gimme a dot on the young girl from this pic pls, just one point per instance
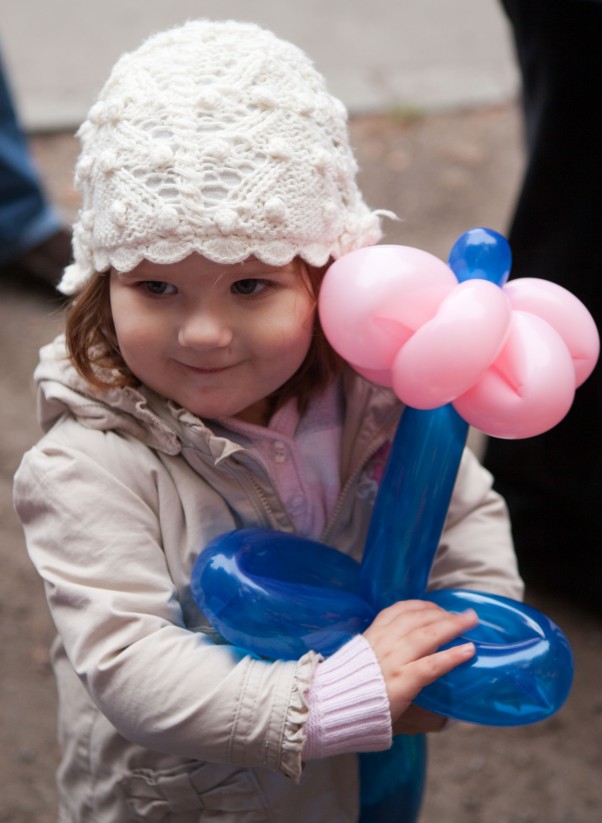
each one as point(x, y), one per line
point(192, 394)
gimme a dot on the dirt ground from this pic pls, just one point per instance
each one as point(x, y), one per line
point(442, 174)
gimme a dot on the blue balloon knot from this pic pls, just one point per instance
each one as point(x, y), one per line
point(482, 254)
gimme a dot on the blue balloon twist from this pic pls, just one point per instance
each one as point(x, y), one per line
point(279, 595)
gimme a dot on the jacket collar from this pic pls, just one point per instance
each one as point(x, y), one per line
point(162, 425)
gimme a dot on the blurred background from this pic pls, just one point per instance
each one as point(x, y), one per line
point(430, 54)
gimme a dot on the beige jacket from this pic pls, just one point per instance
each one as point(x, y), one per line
point(157, 721)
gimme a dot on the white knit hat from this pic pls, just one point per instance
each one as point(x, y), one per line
point(221, 139)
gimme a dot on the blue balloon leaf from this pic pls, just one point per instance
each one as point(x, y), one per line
point(279, 595)
point(522, 671)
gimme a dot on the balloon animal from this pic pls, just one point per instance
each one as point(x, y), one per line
point(404, 319)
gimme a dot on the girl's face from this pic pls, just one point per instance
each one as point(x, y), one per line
point(218, 340)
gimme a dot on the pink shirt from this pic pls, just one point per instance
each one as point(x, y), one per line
point(301, 456)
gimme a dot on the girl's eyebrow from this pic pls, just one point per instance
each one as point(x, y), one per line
point(140, 274)
point(256, 268)
point(254, 271)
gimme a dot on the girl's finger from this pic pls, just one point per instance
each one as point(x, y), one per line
point(414, 634)
point(412, 678)
point(403, 608)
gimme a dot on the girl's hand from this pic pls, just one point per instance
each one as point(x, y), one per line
point(405, 638)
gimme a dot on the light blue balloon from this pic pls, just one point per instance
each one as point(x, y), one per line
point(522, 671)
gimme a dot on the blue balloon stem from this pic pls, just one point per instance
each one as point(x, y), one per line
point(392, 782)
point(406, 525)
point(412, 504)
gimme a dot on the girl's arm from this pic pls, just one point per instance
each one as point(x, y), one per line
point(121, 605)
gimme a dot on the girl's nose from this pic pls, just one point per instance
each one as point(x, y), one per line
point(204, 330)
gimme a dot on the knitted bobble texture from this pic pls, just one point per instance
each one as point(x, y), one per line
point(216, 138)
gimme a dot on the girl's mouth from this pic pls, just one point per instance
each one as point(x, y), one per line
point(207, 369)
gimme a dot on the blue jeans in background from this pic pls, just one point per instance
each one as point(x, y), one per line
point(26, 218)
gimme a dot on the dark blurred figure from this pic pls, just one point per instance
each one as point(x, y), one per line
point(553, 483)
point(34, 245)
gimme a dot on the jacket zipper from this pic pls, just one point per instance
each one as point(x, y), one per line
point(369, 453)
point(255, 495)
point(267, 509)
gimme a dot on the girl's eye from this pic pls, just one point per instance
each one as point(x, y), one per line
point(249, 287)
point(158, 287)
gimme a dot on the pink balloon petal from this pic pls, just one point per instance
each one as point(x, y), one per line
point(565, 313)
point(530, 387)
point(450, 352)
point(371, 297)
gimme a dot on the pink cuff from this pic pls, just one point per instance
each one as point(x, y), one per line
point(348, 704)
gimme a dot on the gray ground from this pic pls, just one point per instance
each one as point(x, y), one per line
point(442, 174)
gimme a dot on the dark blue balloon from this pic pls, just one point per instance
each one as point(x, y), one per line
point(279, 595)
point(412, 504)
point(483, 254)
point(522, 671)
point(392, 782)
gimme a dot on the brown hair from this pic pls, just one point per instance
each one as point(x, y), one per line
point(94, 350)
